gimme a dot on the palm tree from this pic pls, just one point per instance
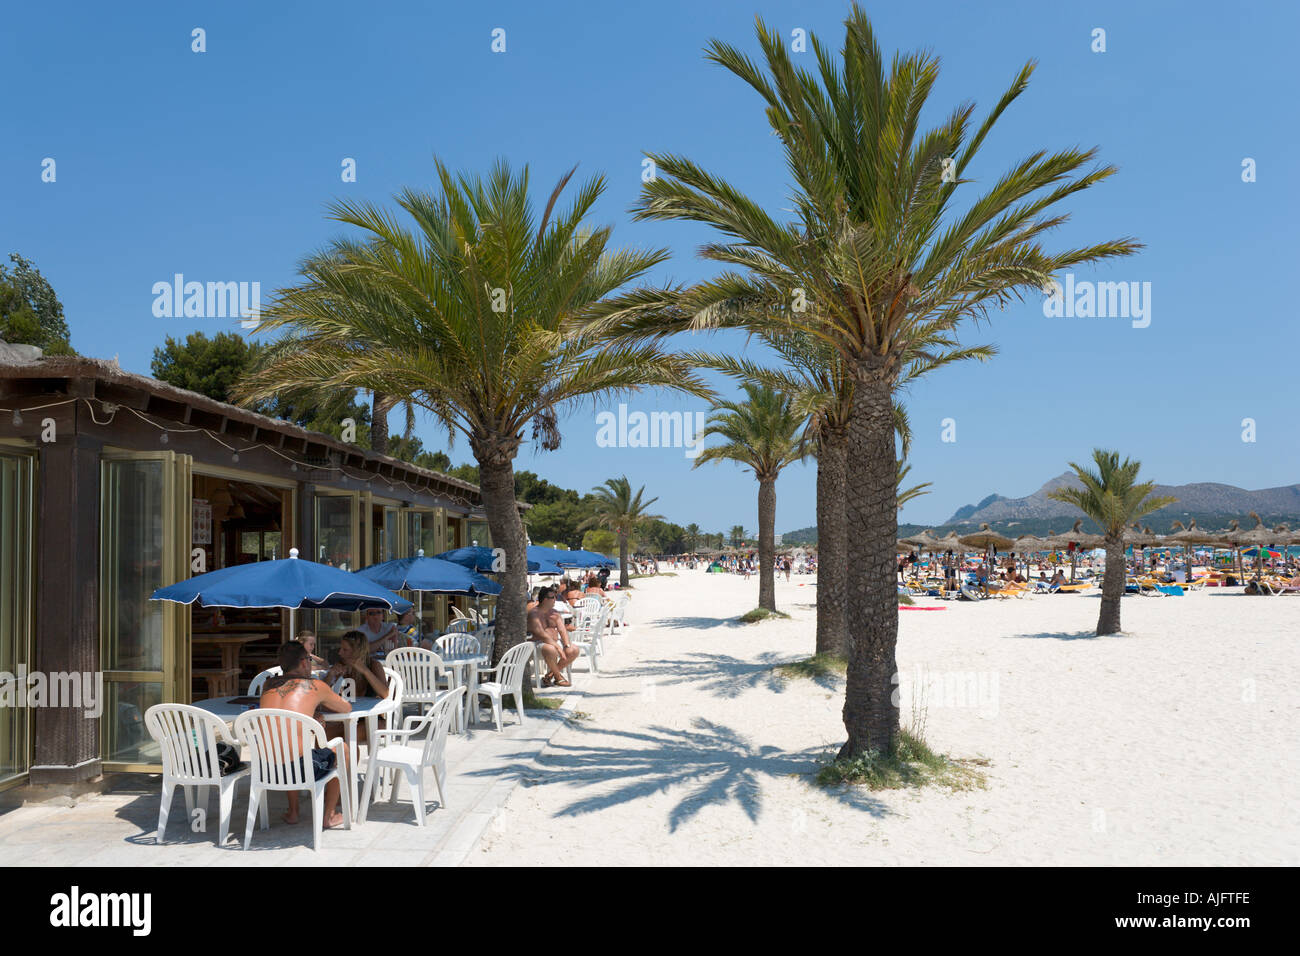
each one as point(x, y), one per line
point(878, 264)
point(1112, 497)
point(692, 536)
point(466, 313)
point(814, 376)
point(763, 434)
point(616, 509)
point(737, 535)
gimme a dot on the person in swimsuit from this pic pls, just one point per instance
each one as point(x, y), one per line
point(546, 627)
point(298, 691)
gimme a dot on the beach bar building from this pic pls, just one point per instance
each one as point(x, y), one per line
point(114, 484)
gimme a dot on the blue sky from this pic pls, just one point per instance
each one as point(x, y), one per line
point(218, 165)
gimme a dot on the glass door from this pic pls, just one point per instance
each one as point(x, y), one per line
point(16, 558)
point(145, 527)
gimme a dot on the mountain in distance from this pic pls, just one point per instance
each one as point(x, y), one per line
point(1213, 505)
point(965, 511)
point(1199, 498)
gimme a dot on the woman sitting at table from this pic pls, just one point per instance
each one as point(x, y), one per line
point(354, 661)
point(570, 592)
point(593, 587)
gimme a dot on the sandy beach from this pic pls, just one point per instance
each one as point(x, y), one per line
point(1175, 743)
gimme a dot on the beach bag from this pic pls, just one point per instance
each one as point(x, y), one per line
point(227, 758)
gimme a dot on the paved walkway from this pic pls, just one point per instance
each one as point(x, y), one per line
point(117, 828)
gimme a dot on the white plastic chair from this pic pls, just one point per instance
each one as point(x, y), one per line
point(487, 638)
point(188, 737)
point(618, 616)
point(279, 746)
point(257, 683)
point(424, 678)
point(510, 680)
point(460, 626)
point(588, 637)
point(411, 757)
point(457, 645)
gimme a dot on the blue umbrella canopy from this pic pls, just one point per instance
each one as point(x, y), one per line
point(593, 559)
point(429, 574)
point(292, 582)
point(480, 559)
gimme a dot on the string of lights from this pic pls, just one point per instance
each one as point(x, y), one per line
point(110, 409)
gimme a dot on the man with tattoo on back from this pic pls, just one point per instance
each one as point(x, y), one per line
point(298, 691)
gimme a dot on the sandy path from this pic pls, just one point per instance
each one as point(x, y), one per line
point(1174, 744)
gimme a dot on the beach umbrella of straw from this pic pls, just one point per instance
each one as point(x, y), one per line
point(1261, 534)
point(950, 542)
point(983, 540)
point(1082, 540)
point(924, 541)
point(986, 538)
point(1028, 544)
point(1187, 537)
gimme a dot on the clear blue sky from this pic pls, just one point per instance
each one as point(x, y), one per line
point(218, 165)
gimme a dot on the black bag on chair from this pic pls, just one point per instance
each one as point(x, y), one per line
point(228, 758)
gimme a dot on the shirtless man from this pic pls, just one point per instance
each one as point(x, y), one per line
point(298, 691)
point(546, 627)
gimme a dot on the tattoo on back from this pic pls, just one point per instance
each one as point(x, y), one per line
point(293, 685)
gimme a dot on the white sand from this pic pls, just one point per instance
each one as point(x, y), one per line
point(1176, 743)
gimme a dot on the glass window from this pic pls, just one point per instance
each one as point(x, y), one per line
point(15, 609)
point(133, 565)
point(335, 521)
point(125, 737)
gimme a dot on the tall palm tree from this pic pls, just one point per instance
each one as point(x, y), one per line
point(737, 535)
point(692, 536)
point(763, 433)
point(465, 312)
point(1112, 496)
point(616, 509)
point(814, 376)
point(878, 263)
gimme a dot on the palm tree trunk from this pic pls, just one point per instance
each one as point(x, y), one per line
point(379, 422)
point(832, 547)
point(767, 544)
point(622, 560)
point(497, 484)
point(871, 512)
point(1112, 587)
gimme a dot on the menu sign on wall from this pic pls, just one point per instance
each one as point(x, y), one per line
point(201, 532)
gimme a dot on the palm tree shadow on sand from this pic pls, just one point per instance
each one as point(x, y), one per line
point(695, 623)
point(1059, 636)
point(717, 764)
point(718, 674)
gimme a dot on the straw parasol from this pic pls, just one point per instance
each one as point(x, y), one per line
point(986, 539)
point(1187, 537)
point(1260, 535)
point(1077, 537)
point(1028, 544)
point(949, 542)
point(924, 541)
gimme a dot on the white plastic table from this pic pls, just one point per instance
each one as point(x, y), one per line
point(371, 708)
point(467, 666)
